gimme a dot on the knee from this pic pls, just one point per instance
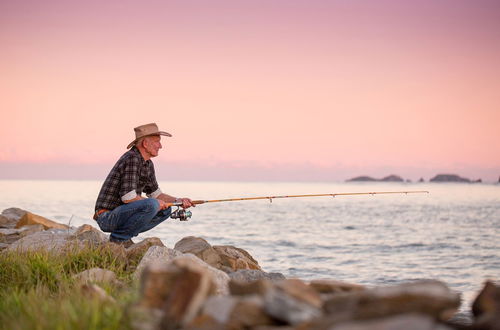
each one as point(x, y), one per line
point(151, 205)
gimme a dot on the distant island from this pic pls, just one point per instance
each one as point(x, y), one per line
point(397, 178)
point(451, 178)
point(389, 178)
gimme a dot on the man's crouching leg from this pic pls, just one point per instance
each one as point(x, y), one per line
point(128, 220)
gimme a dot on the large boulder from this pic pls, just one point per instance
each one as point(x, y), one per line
point(432, 298)
point(292, 301)
point(59, 241)
point(136, 251)
point(10, 217)
point(233, 258)
point(223, 257)
point(179, 289)
point(156, 255)
point(486, 307)
point(200, 248)
point(33, 219)
point(10, 235)
point(219, 278)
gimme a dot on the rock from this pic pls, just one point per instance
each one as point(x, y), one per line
point(233, 258)
point(432, 298)
point(93, 291)
point(200, 248)
point(96, 275)
point(6, 222)
point(361, 178)
point(190, 286)
point(223, 257)
point(292, 301)
point(404, 321)
point(220, 279)
point(249, 313)
point(32, 219)
point(250, 275)
point(90, 235)
point(486, 307)
point(258, 287)
point(136, 251)
point(155, 255)
point(333, 286)
point(421, 180)
point(3, 246)
point(10, 235)
point(10, 217)
point(143, 318)
point(219, 308)
point(56, 241)
point(392, 178)
point(448, 178)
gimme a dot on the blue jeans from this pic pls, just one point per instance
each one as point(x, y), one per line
point(128, 220)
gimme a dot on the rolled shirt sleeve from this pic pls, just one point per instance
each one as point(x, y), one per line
point(128, 196)
point(129, 178)
point(155, 193)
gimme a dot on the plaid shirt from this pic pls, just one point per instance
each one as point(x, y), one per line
point(130, 174)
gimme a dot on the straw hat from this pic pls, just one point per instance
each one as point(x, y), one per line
point(146, 130)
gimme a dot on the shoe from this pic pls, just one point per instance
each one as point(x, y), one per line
point(125, 243)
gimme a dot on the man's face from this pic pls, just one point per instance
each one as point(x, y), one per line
point(152, 145)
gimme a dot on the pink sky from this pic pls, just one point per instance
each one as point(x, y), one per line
point(288, 90)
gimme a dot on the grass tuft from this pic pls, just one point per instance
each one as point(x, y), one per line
point(37, 290)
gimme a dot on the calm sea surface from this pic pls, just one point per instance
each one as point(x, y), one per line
point(451, 234)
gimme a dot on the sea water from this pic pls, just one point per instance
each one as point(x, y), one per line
point(451, 234)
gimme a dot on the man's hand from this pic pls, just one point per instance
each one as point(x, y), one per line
point(163, 204)
point(186, 202)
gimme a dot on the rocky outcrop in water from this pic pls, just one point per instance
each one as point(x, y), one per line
point(451, 178)
point(389, 178)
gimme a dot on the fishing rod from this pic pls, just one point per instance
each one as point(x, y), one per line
point(184, 215)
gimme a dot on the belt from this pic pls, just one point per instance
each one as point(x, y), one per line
point(99, 212)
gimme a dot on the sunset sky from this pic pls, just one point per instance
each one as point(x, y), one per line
point(252, 90)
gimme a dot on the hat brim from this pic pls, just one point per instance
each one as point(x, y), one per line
point(131, 144)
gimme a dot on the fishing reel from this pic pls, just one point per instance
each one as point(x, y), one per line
point(181, 214)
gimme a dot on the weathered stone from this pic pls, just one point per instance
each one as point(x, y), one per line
point(250, 275)
point(219, 307)
point(404, 321)
point(3, 246)
point(10, 235)
point(144, 318)
point(89, 234)
point(200, 248)
point(248, 313)
point(292, 301)
point(333, 286)
point(96, 275)
point(219, 278)
point(205, 322)
point(136, 251)
point(6, 222)
point(93, 291)
point(259, 287)
point(191, 286)
point(486, 307)
point(155, 255)
point(33, 219)
point(55, 241)
point(156, 284)
point(431, 298)
point(11, 216)
point(233, 258)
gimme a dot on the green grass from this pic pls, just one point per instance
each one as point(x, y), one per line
point(37, 291)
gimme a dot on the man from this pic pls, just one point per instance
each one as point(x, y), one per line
point(120, 208)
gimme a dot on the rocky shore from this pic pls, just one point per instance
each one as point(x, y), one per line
point(396, 178)
point(195, 285)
